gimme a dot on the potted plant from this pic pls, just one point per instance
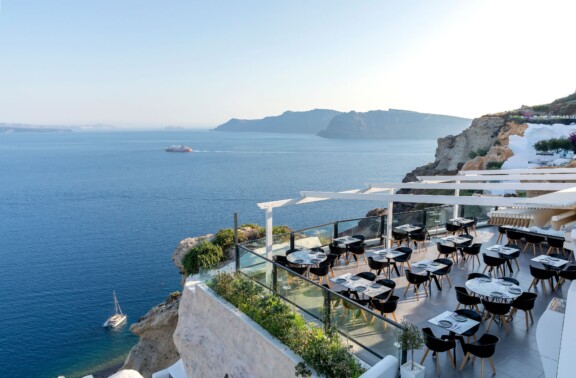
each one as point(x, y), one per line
point(409, 337)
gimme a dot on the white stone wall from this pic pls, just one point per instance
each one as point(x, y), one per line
point(214, 339)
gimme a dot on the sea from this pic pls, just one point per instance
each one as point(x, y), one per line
point(86, 213)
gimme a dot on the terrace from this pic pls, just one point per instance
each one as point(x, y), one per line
point(370, 333)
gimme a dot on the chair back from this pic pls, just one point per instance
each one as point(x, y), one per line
point(332, 258)
point(452, 227)
point(436, 344)
point(407, 254)
point(388, 306)
point(446, 270)
point(536, 239)
point(471, 276)
point(414, 278)
point(473, 249)
point(367, 275)
point(541, 274)
point(463, 297)
point(470, 314)
point(510, 279)
point(322, 270)
point(376, 265)
point(514, 235)
point(399, 235)
point(496, 308)
point(445, 249)
point(525, 301)
point(336, 249)
point(492, 261)
point(555, 242)
point(485, 347)
point(420, 236)
point(358, 243)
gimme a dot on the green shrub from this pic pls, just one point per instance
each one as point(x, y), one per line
point(478, 152)
point(553, 144)
point(202, 255)
point(323, 352)
point(494, 164)
point(224, 238)
point(280, 230)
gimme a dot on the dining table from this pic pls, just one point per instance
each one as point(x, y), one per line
point(431, 266)
point(360, 285)
point(464, 222)
point(494, 288)
point(455, 323)
point(307, 258)
point(504, 252)
point(551, 263)
point(389, 255)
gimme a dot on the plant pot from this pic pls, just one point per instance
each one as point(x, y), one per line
point(407, 372)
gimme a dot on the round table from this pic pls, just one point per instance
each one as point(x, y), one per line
point(490, 288)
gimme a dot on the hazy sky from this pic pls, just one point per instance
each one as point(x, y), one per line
point(157, 63)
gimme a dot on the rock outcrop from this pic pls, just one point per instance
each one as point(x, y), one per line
point(155, 349)
point(183, 247)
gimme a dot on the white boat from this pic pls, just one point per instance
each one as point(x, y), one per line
point(180, 148)
point(118, 318)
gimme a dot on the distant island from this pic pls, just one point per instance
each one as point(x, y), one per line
point(377, 124)
point(7, 128)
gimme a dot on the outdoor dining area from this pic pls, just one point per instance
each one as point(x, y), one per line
point(476, 294)
point(480, 284)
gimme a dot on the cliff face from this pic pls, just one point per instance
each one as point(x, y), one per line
point(155, 349)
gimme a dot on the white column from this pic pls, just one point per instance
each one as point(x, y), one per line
point(389, 221)
point(269, 226)
point(456, 207)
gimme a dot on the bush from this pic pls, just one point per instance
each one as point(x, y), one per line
point(494, 164)
point(553, 144)
point(202, 255)
point(224, 238)
point(478, 152)
point(323, 352)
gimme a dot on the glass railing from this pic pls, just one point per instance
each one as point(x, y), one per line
point(318, 236)
point(369, 227)
point(371, 335)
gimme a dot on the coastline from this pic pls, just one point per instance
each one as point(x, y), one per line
point(102, 370)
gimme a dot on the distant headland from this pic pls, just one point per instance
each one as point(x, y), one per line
point(7, 128)
point(376, 124)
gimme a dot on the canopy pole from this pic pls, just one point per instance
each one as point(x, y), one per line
point(456, 207)
point(390, 221)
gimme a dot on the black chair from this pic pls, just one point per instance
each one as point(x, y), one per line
point(534, 240)
point(493, 263)
point(388, 283)
point(403, 259)
point(357, 250)
point(282, 260)
point(437, 345)
point(381, 265)
point(453, 228)
point(332, 258)
point(514, 237)
point(444, 272)
point(466, 299)
point(555, 243)
point(499, 309)
point(367, 275)
point(471, 276)
point(350, 305)
point(376, 265)
point(386, 307)
point(399, 237)
point(466, 243)
point(473, 251)
point(415, 280)
point(322, 272)
point(337, 250)
point(524, 302)
point(567, 274)
point(501, 233)
point(361, 239)
point(485, 347)
point(318, 249)
point(447, 251)
point(470, 314)
point(541, 275)
point(419, 239)
point(510, 279)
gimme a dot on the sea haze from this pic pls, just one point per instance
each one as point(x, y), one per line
point(82, 214)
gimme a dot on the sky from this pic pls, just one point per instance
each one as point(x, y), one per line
point(141, 63)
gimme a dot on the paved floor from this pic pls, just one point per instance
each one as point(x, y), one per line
point(516, 353)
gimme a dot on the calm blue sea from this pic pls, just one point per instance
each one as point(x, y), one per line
point(85, 213)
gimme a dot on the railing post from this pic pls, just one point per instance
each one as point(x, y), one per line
point(274, 278)
point(335, 229)
point(424, 217)
point(382, 222)
point(292, 240)
point(237, 249)
point(326, 315)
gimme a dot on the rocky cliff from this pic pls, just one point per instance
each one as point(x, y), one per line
point(155, 350)
point(380, 124)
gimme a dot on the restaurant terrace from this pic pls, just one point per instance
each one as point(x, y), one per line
point(486, 270)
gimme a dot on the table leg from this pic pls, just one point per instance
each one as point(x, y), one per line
point(509, 263)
